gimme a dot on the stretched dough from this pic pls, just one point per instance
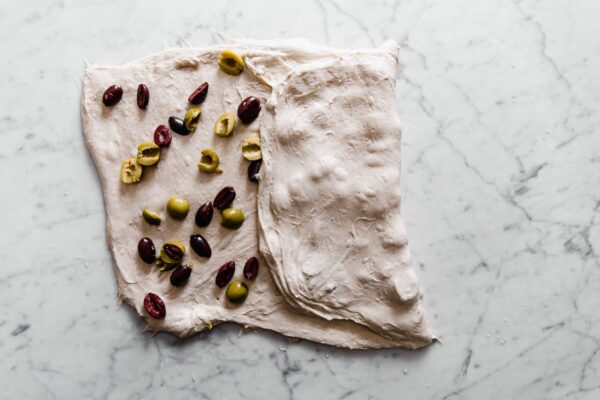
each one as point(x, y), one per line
point(337, 266)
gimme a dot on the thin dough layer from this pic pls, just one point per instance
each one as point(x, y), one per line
point(329, 204)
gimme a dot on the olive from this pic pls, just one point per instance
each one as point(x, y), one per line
point(232, 218)
point(231, 63)
point(148, 153)
point(172, 252)
point(178, 207)
point(180, 275)
point(143, 96)
point(248, 109)
point(191, 118)
point(225, 274)
point(254, 169)
point(131, 171)
point(199, 94)
point(251, 268)
point(251, 148)
point(209, 162)
point(154, 306)
point(112, 95)
point(178, 126)
point(224, 198)
point(162, 136)
point(237, 292)
point(200, 246)
point(151, 217)
point(224, 124)
point(146, 250)
point(204, 215)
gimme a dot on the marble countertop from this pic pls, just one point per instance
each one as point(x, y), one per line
point(500, 104)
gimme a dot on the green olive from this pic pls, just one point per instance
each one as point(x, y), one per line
point(168, 261)
point(209, 162)
point(131, 171)
point(178, 207)
point(224, 124)
point(231, 63)
point(232, 218)
point(191, 118)
point(237, 292)
point(148, 153)
point(251, 148)
point(151, 217)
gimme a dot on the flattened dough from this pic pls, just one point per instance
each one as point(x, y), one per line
point(292, 294)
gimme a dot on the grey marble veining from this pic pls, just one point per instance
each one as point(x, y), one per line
point(500, 107)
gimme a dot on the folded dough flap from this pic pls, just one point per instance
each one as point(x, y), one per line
point(329, 203)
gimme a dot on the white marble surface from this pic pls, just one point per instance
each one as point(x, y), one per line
point(500, 107)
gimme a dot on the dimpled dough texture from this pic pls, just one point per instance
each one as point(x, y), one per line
point(334, 262)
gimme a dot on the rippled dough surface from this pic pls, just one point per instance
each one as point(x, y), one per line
point(329, 204)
